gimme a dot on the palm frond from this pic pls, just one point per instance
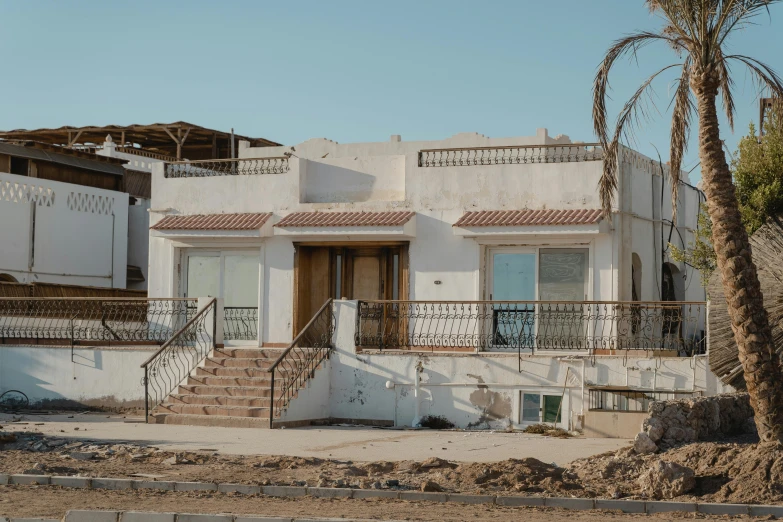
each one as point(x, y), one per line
point(726, 84)
point(627, 46)
point(684, 108)
point(764, 75)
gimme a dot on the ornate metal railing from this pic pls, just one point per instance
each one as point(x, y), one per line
point(226, 167)
point(33, 320)
point(604, 399)
point(510, 155)
point(178, 356)
point(298, 363)
point(240, 323)
point(672, 328)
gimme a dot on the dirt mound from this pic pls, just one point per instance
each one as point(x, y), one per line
point(725, 472)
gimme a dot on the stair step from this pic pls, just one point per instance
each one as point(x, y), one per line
point(225, 391)
point(204, 409)
point(219, 400)
point(248, 353)
point(212, 420)
point(259, 382)
point(235, 362)
point(216, 371)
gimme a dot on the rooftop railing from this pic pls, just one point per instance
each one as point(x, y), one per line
point(226, 167)
point(80, 320)
point(591, 327)
point(145, 153)
point(510, 155)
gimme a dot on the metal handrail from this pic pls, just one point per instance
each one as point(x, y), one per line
point(223, 160)
point(302, 368)
point(298, 337)
point(177, 333)
point(501, 147)
point(174, 362)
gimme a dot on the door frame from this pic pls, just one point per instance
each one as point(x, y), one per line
point(339, 248)
point(220, 252)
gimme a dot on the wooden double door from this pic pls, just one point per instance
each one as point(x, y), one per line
point(352, 271)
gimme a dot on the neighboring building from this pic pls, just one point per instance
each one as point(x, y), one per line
point(489, 254)
point(64, 216)
point(137, 148)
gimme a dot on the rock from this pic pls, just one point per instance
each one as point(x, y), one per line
point(138, 456)
point(667, 480)
point(6, 437)
point(340, 483)
point(392, 483)
point(430, 486)
point(56, 443)
point(171, 461)
point(435, 462)
point(322, 483)
point(377, 485)
point(83, 455)
point(654, 428)
point(643, 444)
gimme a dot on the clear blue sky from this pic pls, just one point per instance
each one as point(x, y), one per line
point(344, 70)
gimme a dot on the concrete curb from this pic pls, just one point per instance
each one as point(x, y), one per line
point(141, 516)
point(581, 504)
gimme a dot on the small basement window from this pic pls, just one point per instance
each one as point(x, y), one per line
point(628, 400)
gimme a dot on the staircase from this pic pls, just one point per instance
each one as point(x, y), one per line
point(231, 389)
point(191, 381)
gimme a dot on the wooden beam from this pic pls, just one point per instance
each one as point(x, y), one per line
point(75, 138)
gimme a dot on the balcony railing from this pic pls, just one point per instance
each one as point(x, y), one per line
point(226, 167)
point(79, 320)
point(635, 401)
point(145, 153)
point(510, 155)
point(591, 327)
point(240, 323)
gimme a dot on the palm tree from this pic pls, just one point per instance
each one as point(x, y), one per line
point(697, 31)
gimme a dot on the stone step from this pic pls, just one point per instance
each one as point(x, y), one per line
point(220, 400)
point(235, 362)
point(259, 382)
point(248, 353)
point(225, 391)
point(205, 409)
point(212, 420)
point(216, 371)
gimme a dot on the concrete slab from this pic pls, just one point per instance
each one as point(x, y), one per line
point(78, 515)
point(330, 492)
point(195, 486)
point(245, 489)
point(765, 511)
point(284, 491)
point(724, 509)
point(112, 483)
point(519, 501)
point(71, 482)
point(669, 507)
point(471, 499)
point(626, 506)
point(187, 517)
point(358, 444)
point(29, 479)
point(154, 484)
point(570, 503)
point(138, 516)
point(427, 497)
point(375, 493)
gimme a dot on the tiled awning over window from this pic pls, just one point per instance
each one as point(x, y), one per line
point(213, 222)
point(345, 219)
point(517, 218)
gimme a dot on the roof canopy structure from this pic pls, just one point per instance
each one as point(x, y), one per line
point(178, 140)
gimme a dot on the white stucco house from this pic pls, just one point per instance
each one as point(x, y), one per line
point(473, 278)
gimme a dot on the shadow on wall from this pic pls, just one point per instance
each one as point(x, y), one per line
point(333, 184)
point(56, 382)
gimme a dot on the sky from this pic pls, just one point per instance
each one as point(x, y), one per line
point(349, 71)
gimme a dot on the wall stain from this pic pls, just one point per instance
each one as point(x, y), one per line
point(494, 406)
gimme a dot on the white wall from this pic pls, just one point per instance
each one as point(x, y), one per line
point(79, 235)
point(138, 239)
point(106, 377)
point(479, 390)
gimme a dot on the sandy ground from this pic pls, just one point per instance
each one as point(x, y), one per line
point(359, 444)
point(53, 502)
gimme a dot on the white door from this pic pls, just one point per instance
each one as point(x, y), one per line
point(232, 275)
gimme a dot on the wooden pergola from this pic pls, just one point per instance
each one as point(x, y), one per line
point(177, 140)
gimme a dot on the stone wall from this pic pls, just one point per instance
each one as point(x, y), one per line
point(698, 418)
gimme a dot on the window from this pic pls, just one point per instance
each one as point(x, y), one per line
point(541, 407)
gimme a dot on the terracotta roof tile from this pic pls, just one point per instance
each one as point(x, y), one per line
point(516, 218)
point(212, 222)
point(345, 219)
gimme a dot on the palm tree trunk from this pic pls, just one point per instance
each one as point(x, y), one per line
point(761, 365)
